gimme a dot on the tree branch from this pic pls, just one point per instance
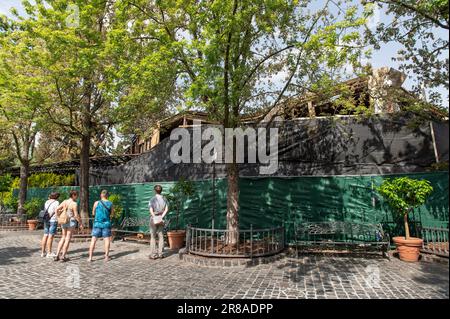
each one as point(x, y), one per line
point(255, 68)
point(416, 10)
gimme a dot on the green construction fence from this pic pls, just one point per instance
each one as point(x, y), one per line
point(276, 201)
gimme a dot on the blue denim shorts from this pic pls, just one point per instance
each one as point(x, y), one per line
point(72, 224)
point(101, 232)
point(50, 228)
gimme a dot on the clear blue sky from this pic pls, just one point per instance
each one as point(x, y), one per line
point(383, 57)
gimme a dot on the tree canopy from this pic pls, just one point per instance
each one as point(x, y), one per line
point(233, 57)
point(421, 29)
point(23, 91)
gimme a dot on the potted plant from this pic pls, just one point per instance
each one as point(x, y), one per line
point(403, 195)
point(178, 194)
point(32, 208)
point(116, 216)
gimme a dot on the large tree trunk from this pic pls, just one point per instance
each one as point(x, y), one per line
point(24, 172)
point(233, 203)
point(84, 179)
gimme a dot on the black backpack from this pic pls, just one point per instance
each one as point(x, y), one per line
point(44, 216)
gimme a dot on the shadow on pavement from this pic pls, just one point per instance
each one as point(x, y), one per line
point(9, 255)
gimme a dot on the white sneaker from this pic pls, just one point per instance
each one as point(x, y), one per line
point(42, 255)
point(51, 255)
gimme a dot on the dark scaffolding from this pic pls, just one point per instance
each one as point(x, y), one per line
point(72, 166)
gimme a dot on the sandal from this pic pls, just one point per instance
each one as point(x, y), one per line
point(64, 259)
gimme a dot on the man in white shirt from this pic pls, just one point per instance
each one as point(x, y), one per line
point(50, 225)
point(158, 209)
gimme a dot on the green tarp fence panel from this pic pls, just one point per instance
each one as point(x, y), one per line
point(265, 202)
point(276, 201)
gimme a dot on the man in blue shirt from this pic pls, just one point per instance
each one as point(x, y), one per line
point(102, 211)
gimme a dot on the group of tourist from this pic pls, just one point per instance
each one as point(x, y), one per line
point(66, 215)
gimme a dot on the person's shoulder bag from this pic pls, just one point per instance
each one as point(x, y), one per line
point(63, 218)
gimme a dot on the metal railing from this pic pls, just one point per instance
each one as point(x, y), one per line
point(247, 244)
point(13, 220)
point(435, 240)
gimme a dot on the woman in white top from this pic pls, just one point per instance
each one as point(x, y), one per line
point(71, 208)
point(50, 225)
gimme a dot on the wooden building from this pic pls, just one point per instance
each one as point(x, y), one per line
point(382, 92)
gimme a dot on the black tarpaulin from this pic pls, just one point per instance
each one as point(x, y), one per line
point(308, 147)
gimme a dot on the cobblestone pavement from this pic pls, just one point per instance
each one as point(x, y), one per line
point(130, 274)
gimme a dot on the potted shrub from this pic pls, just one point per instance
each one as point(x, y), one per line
point(116, 217)
point(403, 195)
point(32, 208)
point(179, 193)
point(116, 200)
point(8, 202)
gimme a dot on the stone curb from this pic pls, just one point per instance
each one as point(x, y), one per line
point(213, 262)
point(434, 259)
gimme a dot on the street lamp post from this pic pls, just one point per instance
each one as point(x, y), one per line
point(213, 201)
point(214, 190)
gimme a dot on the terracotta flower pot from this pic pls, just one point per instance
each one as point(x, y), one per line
point(32, 224)
point(176, 238)
point(408, 249)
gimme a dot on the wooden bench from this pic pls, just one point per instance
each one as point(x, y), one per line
point(339, 235)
